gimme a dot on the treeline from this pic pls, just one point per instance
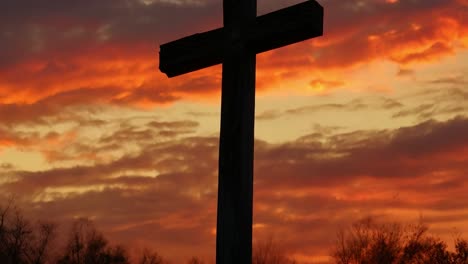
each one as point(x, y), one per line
point(365, 242)
point(25, 242)
point(369, 242)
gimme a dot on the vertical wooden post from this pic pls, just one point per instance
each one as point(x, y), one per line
point(235, 183)
point(242, 37)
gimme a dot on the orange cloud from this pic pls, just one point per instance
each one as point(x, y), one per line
point(96, 53)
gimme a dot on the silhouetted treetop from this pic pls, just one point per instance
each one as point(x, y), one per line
point(368, 242)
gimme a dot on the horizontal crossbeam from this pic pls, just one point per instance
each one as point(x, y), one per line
point(274, 30)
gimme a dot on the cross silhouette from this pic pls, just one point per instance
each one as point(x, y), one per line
point(235, 46)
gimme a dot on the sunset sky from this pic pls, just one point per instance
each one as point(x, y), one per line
point(369, 120)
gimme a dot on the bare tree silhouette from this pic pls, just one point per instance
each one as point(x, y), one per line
point(88, 246)
point(367, 241)
point(270, 251)
point(150, 257)
point(195, 260)
point(20, 241)
point(45, 234)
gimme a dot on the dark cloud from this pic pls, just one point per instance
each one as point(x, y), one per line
point(422, 111)
point(23, 139)
point(6, 167)
point(457, 80)
point(405, 72)
point(91, 23)
point(268, 115)
point(202, 114)
point(437, 49)
point(109, 144)
point(68, 106)
point(382, 154)
point(389, 103)
point(445, 101)
point(350, 106)
point(170, 187)
point(361, 104)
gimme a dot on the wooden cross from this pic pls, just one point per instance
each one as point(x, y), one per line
point(235, 46)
